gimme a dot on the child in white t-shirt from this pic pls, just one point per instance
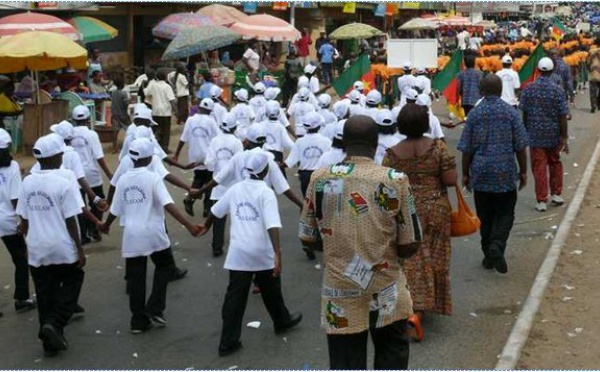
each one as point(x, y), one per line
point(254, 251)
point(141, 198)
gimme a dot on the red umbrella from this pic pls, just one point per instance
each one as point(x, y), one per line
point(266, 28)
point(23, 22)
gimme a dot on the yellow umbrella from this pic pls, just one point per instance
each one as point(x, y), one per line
point(40, 51)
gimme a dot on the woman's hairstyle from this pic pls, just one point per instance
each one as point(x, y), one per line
point(413, 120)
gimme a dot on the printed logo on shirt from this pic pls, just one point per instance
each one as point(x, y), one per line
point(342, 169)
point(223, 154)
point(245, 211)
point(39, 201)
point(2, 178)
point(134, 195)
point(335, 316)
point(200, 132)
point(312, 152)
point(78, 142)
point(358, 204)
point(386, 198)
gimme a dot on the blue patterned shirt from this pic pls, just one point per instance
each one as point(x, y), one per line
point(468, 86)
point(543, 103)
point(566, 78)
point(493, 134)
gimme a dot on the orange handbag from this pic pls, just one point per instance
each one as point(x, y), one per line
point(463, 221)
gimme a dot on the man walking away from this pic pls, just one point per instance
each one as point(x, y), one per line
point(468, 84)
point(180, 84)
point(510, 82)
point(593, 62)
point(164, 105)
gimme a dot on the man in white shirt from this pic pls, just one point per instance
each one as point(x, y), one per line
point(510, 82)
point(243, 112)
point(372, 105)
point(258, 102)
point(298, 109)
point(254, 251)
point(336, 154)
point(141, 198)
point(328, 118)
point(180, 84)
point(164, 105)
point(313, 82)
point(424, 81)
point(405, 81)
point(271, 95)
point(48, 205)
point(277, 136)
point(251, 58)
point(197, 133)
point(462, 38)
point(87, 145)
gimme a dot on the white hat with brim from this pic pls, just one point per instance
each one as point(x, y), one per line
point(141, 148)
point(81, 112)
point(310, 69)
point(312, 120)
point(241, 95)
point(63, 129)
point(5, 139)
point(546, 64)
point(256, 163)
point(47, 146)
point(384, 118)
point(272, 93)
point(229, 122)
point(145, 114)
point(207, 104)
point(254, 134)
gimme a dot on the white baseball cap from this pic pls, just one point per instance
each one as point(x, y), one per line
point(310, 69)
point(254, 134)
point(324, 100)
point(144, 113)
point(374, 97)
point(241, 95)
point(407, 65)
point(340, 109)
point(421, 71)
point(229, 122)
point(354, 96)
point(47, 146)
point(546, 64)
point(141, 148)
point(312, 120)
point(207, 104)
point(216, 91)
point(339, 130)
point(81, 112)
point(5, 139)
point(303, 82)
point(507, 60)
point(272, 93)
point(358, 85)
point(424, 100)
point(63, 129)
point(411, 94)
point(259, 87)
point(384, 118)
point(303, 94)
point(138, 107)
point(256, 162)
point(272, 109)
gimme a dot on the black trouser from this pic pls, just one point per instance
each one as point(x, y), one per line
point(279, 160)
point(392, 348)
point(162, 131)
point(236, 299)
point(468, 109)
point(86, 225)
point(304, 176)
point(135, 271)
point(57, 288)
point(18, 252)
point(201, 178)
point(289, 87)
point(497, 214)
point(218, 227)
point(594, 92)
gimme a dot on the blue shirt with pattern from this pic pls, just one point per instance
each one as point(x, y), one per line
point(566, 78)
point(543, 102)
point(468, 86)
point(493, 134)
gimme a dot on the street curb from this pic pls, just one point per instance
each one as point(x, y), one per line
point(520, 333)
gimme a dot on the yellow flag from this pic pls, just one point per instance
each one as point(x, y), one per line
point(350, 7)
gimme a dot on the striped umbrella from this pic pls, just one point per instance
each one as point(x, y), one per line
point(170, 26)
point(192, 41)
point(24, 22)
point(93, 29)
point(266, 28)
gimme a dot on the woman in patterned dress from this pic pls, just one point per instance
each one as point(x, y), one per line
point(430, 169)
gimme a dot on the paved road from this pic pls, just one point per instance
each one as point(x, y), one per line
point(485, 303)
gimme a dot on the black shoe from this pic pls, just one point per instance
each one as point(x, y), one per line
point(295, 318)
point(499, 261)
point(487, 263)
point(137, 329)
point(78, 312)
point(53, 338)
point(159, 319)
point(188, 204)
point(178, 274)
point(230, 350)
point(310, 254)
point(593, 110)
point(217, 252)
point(22, 306)
point(85, 240)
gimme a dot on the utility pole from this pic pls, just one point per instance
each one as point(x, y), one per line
point(293, 13)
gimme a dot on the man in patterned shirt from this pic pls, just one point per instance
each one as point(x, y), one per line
point(468, 84)
point(366, 216)
point(593, 65)
point(563, 74)
point(492, 136)
point(545, 109)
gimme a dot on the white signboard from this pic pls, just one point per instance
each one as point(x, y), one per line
point(420, 52)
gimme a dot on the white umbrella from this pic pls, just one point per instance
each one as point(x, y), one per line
point(418, 24)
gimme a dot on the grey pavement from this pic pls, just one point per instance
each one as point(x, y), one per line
point(485, 303)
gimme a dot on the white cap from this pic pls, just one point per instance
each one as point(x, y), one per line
point(324, 100)
point(141, 148)
point(507, 60)
point(340, 109)
point(215, 91)
point(5, 139)
point(354, 96)
point(254, 133)
point(374, 97)
point(303, 94)
point(207, 104)
point(138, 107)
point(48, 146)
point(229, 122)
point(358, 85)
point(144, 113)
point(339, 130)
point(546, 64)
point(256, 162)
point(424, 100)
point(303, 82)
point(411, 94)
point(272, 93)
point(310, 69)
point(241, 95)
point(312, 120)
point(81, 112)
point(63, 129)
point(272, 109)
point(384, 118)
point(407, 65)
point(421, 71)
point(142, 132)
point(259, 87)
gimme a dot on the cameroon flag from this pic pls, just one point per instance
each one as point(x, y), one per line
point(558, 29)
point(446, 82)
point(529, 72)
point(359, 70)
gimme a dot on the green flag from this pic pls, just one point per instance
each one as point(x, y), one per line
point(359, 70)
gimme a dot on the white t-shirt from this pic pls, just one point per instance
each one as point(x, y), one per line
point(222, 148)
point(140, 198)
point(253, 210)
point(328, 117)
point(244, 115)
point(307, 151)
point(258, 104)
point(70, 161)
point(218, 113)
point(298, 110)
point(475, 43)
point(510, 82)
point(253, 59)
point(277, 136)
point(198, 131)
point(331, 157)
point(87, 145)
point(385, 142)
point(10, 188)
point(406, 81)
point(47, 199)
point(435, 128)
point(162, 95)
point(425, 83)
point(370, 112)
point(314, 84)
point(181, 85)
point(356, 109)
point(311, 99)
point(126, 164)
point(130, 136)
point(462, 40)
point(235, 172)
